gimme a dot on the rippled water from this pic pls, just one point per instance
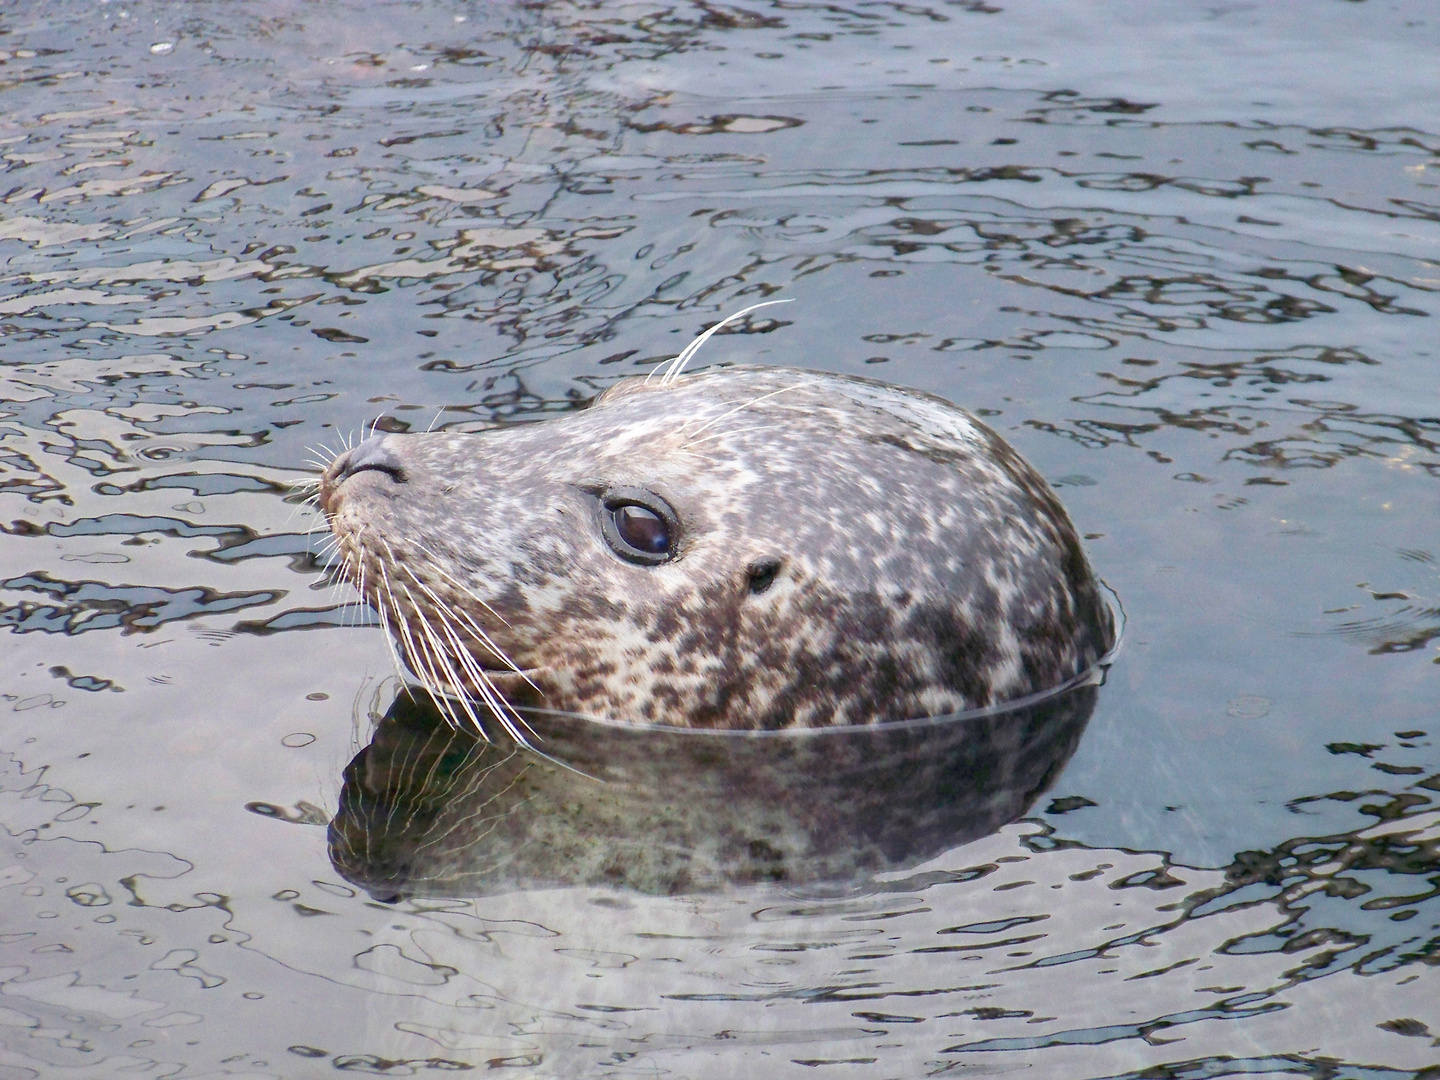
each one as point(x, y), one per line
point(1181, 256)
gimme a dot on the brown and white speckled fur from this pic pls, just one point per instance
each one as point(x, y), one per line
point(924, 567)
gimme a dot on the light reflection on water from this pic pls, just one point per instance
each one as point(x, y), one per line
point(1184, 260)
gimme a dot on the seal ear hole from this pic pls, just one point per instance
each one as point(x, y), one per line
point(762, 574)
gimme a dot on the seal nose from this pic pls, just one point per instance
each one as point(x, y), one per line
point(371, 455)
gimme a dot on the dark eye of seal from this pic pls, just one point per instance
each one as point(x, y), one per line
point(639, 526)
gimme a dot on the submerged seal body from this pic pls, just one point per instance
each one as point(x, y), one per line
point(743, 548)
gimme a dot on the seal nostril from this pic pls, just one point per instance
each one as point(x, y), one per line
point(372, 455)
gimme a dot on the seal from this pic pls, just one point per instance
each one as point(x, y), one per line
point(740, 548)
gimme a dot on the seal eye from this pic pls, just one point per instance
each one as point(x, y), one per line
point(642, 529)
point(639, 526)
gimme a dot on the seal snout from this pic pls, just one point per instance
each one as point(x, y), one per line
point(372, 455)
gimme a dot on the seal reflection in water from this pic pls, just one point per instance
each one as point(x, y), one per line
point(740, 549)
point(431, 810)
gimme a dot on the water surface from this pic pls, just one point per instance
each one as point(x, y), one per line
point(1181, 256)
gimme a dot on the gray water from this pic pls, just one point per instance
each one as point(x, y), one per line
point(1180, 255)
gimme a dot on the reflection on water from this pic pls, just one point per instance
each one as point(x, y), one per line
point(1182, 257)
point(1020, 947)
point(427, 810)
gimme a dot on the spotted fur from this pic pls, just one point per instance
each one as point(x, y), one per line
point(923, 567)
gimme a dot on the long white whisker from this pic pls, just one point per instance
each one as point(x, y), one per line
point(424, 666)
point(351, 617)
point(673, 368)
point(489, 693)
point(402, 624)
point(473, 627)
point(739, 408)
point(423, 657)
point(390, 642)
point(441, 660)
point(330, 549)
point(723, 434)
point(439, 569)
point(504, 712)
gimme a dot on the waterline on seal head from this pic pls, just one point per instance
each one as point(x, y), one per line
point(1093, 676)
point(736, 549)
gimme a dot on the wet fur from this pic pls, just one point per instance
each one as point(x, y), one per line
point(923, 567)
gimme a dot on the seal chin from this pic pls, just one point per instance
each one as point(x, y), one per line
point(743, 548)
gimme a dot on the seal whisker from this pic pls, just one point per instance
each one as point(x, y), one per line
point(356, 575)
point(485, 686)
point(296, 507)
point(326, 578)
point(724, 434)
point(441, 660)
point(511, 720)
point(382, 609)
point(332, 574)
point(402, 625)
point(488, 691)
point(440, 569)
point(390, 641)
point(313, 501)
point(424, 667)
point(329, 551)
point(353, 610)
point(674, 367)
point(489, 694)
point(419, 663)
point(471, 626)
point(358, 578)
point(739, 408)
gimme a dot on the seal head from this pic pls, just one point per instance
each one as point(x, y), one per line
point(743, 548)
